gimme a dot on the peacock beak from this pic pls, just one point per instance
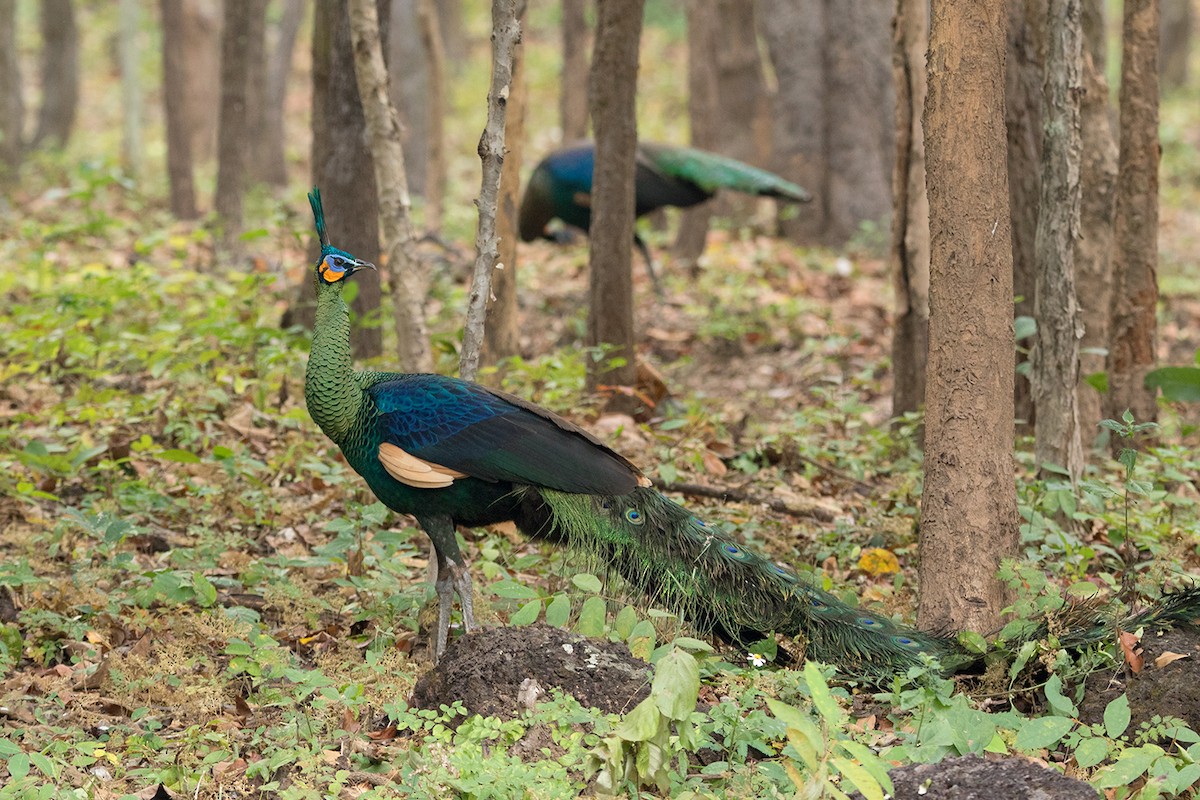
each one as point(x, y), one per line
point(360, 264)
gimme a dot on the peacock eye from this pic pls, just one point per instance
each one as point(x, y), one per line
point(338, 261)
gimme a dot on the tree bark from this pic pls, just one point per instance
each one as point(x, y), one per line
point(612, 89)
point(703, 21)
point(12, 107)
point(201, 44)
point(1097, 187)
point(408, 71)
point(271, 161)
point(1055, 356)
point(395, 208)
point(342, 166)
point(1134, 330)
point(573, 97)
point(1176, 42)
point(506, 36)
point(60, 73)
point(910, 225)
point(131, 87)
point(241, 38)
point(179, 136)
point(1023, 108)
point(968, 510)
point(435, 178)
point(502, 334)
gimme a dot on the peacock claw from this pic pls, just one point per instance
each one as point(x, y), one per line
point(452, 577)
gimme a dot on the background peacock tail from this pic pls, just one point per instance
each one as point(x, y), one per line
point(711, 172)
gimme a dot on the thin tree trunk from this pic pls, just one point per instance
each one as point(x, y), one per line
point(1055, 376)
point(60, 73)
point(395, 208)
point(408, 73)
point(271, 163)
point(506, 36)
point(201, 44)
point(573, 96)
point(1023, 110)
point(179, 136)
point(435, 176)
point(131, 88)
point(703, 21)
point(12, 107)
point(612, 89)
point(502, 335)
point(1175, 27)
point(1134, 330)
point(242, 34)
point(1097, 188)
point(910, 225)
point(968, 509)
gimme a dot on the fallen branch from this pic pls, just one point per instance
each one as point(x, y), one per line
point(727, 493)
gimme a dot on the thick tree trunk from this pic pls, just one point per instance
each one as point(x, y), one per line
point(1134, 332)
point(395, 209)
point(179, 136)
point(131, 87)
point(12, 107)
point(342, 167)
point(968, 510)
point(60, 73)
point(1055, 356)
point(573, 97)
point(1097, 187)
point(611, 90)
point(743, 128)
point(1176, 42)
point(241, 45)
point(271, 162)
point(502, 334)
point(1023, 118)
point(201, 44)
point(703, 22)
point(408, 70)
point(910, 225)
point(435, 54)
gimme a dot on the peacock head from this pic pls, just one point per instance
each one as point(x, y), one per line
point(335, 265)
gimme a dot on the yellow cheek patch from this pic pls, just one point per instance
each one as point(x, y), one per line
point(330, 274)
point(413, 471)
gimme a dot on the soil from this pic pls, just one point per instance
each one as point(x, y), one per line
point(1165, 686)
point(503, 671)
point(975, 778)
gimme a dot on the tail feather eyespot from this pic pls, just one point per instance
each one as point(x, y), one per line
point(634, 516)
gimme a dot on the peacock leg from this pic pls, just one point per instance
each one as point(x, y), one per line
point(452, 576)
point(644, 249)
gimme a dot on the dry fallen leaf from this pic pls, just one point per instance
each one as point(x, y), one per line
point(878, 561)
point(1168, 657)
point(1129, 646)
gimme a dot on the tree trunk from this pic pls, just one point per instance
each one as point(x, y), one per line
point(502, 334)
point(271, 162)
point(1176, 42)
point(60, 73)
point(573, 97)
point(910, 225)
point(1093, 248)
point(435, 179)
point(1055, 356)
point(131, 87)
point(408, 70)
point(179, 136)
point(395, 209)
point(968, 509)
point(703, 21)
point(12, 107)
point(1023, 118)
point(241, 39)
point(1134, 332)
point(342, 167)
point(611, 91)
point(201, 43)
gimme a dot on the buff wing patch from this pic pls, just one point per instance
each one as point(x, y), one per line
point(415, 472)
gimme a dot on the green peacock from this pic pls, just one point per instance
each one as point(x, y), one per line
point(450, 452)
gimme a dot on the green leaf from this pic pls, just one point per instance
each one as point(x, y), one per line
point(821, 696)
point(181, 456)
point(641, 724)
point(587, 582)
point(623, 623)
point(527, 614)
point(206, 593)
point(1091, 752)
point(858, 776)
point(1116, 716)
point(1126, 769)
point(973, 642)
point(1042, 732)
point(558, 612)
point(1059, 703)
point(1178, 384)
point(676, 684)
point(513, 590)
point(18, 766)
point(591, 617)
point(1024, 327)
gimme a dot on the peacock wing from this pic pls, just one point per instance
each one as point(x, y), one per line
point(660, 184)
point(458, 428)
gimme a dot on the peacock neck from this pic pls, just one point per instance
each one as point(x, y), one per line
point(331, 390)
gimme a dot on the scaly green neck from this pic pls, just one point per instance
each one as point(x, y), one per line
point(331, 390)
